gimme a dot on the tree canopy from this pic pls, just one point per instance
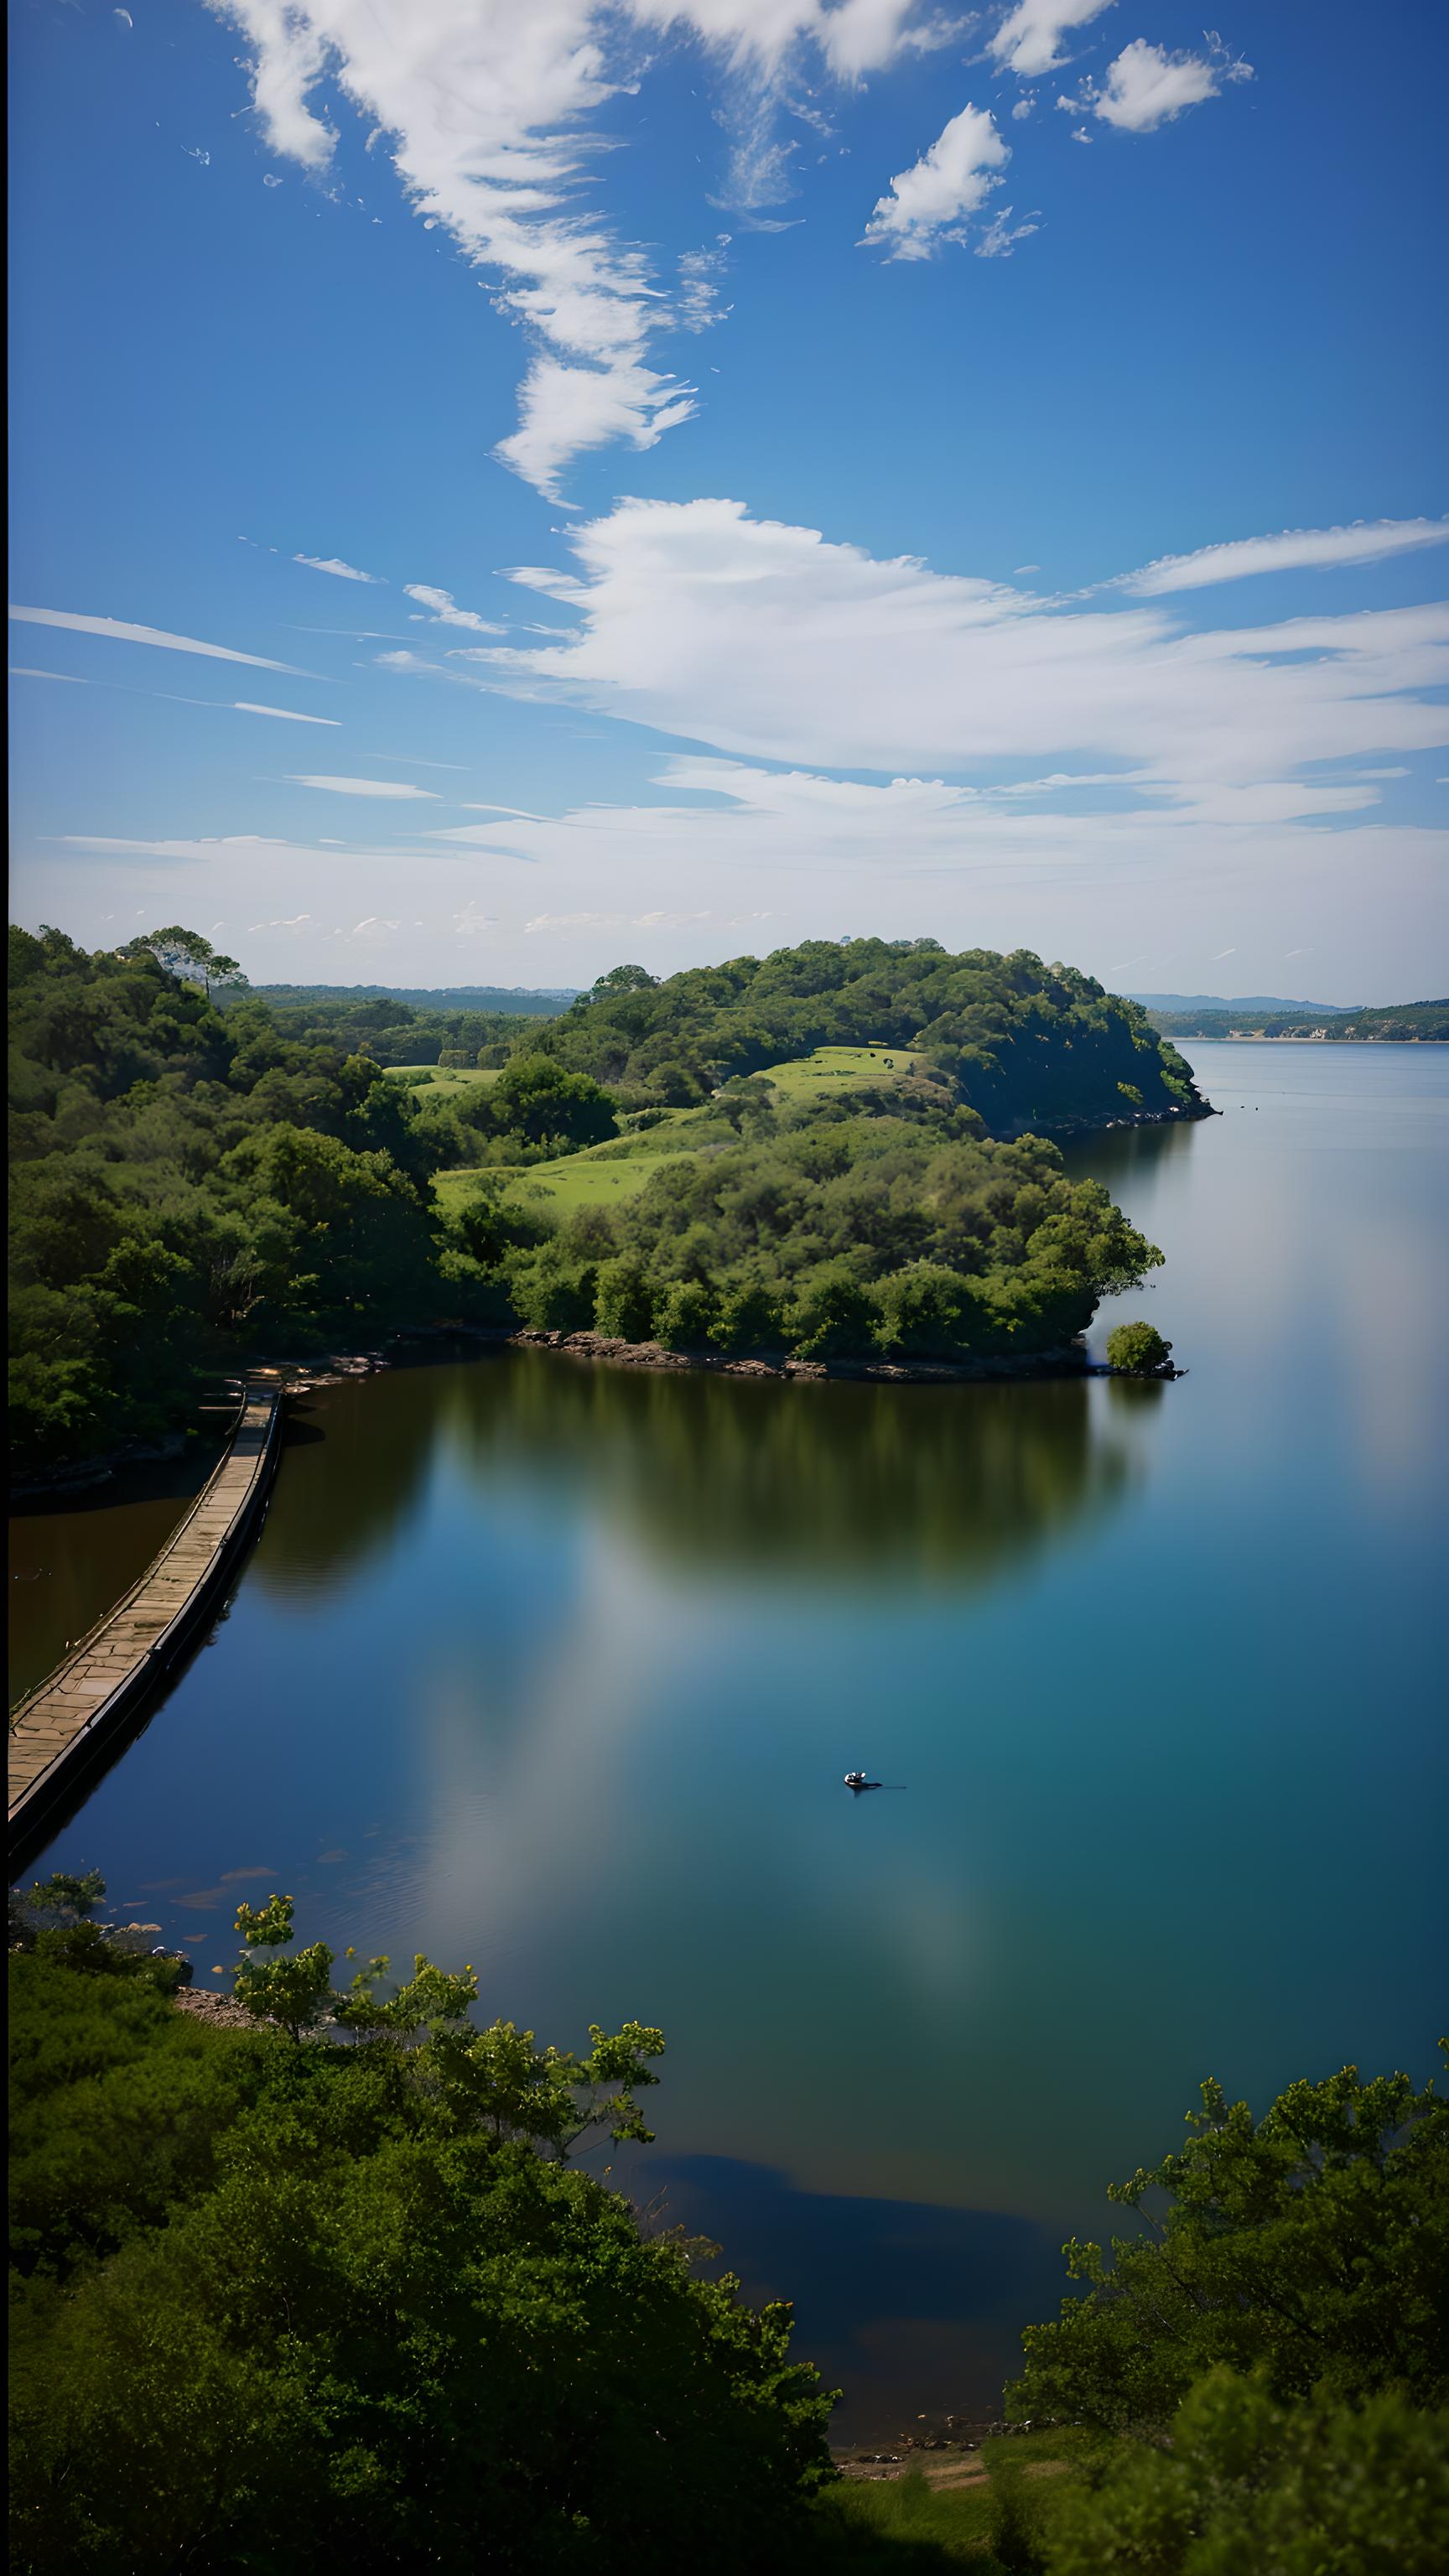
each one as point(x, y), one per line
point(195, 1183)
point(863, 1227)
point(291, 2306)
point(1311, 2245)
point(1027, 1045)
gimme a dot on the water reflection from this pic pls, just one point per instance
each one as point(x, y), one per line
point(834, 1481)
point(350, 1479)
point(73, 1555)
point(913, 2305)
point(1131, 1158)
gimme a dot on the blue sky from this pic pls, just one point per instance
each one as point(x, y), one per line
point(897, 411)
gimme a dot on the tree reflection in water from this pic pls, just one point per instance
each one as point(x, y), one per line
point(824, 1481)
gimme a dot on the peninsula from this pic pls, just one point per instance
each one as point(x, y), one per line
point(844, 1151)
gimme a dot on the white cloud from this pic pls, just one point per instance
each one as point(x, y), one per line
point(1296, 550)
point(122, 633)
point(256, 849)
point(482, 102)
point(24, 671)
point(700, 273)
point(299, 921)
point(485, 104)
point(334, 564)
point(1147, 87)
point(446, 612)
point(928, 203)
point(767, 641)
point(245, 707)
point(472, 921)
point(1028, 40)
point(556, 585)
point(390, 787)
point(1001, 235)
point(574, 921)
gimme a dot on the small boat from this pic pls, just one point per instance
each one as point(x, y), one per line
point(855, 1781)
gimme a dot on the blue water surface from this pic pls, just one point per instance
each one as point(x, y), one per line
point(556, 1671)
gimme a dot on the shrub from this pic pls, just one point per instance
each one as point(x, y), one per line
point(1138, 1350)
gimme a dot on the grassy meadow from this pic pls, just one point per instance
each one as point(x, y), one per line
point(604, 1175)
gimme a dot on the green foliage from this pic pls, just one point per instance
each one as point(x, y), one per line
point(295, 1993)
point(189, 957)
point(408, 1028)
point(1315, 2489)
point(536, 1100)
point(843, 1229)
point(620, 980)
point(195, 1185)
point(188, 1185)
point(1138, 1350)
point(282, 2307)
point(1311, 2245)
point(1398, 1021)
point(1028, 1045)
point(54, 1919)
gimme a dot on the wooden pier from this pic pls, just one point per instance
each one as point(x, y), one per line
point(65, 1729)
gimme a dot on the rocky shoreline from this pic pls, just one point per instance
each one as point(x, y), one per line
point(1070, 1361)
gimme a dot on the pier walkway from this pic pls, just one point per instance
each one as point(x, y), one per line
point(63, 1730)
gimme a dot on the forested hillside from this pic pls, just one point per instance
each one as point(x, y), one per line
point(1026, 1045)
point(196, 1183)
point(184, 1184)
point(874, 1226)
point(394, 1028)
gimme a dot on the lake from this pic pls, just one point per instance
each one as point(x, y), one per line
point(556, 1670)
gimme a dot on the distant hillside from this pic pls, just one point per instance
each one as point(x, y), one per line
point(1404, 1021)
point(1240, 1002)
point(444, 997)
point(1029, 1047)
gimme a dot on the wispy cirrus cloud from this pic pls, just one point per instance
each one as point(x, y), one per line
point(289, 715)
point(399, 790)
point(768, 641)
point(1296, 550)
point(487, 108)
point(335, 565)
point(443, 610)
point(119, 631)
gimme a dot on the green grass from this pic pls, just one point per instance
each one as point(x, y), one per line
point(840, 1069)
point(442, 1077)
point(605, 1175)
point(906, 2524)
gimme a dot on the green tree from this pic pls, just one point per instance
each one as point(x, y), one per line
point(684, 1314)
point(1244, 2483)
point(281, 2307)
point(539, 1100)
point(622, 1303)
point(186, 954)
point(1138, 1350)
point(833, 1314)
point(1311, 2245)
point(295, 1993)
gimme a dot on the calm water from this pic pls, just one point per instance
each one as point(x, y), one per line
point(556, 1670)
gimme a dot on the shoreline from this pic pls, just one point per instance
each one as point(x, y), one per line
point(1071, 1361)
